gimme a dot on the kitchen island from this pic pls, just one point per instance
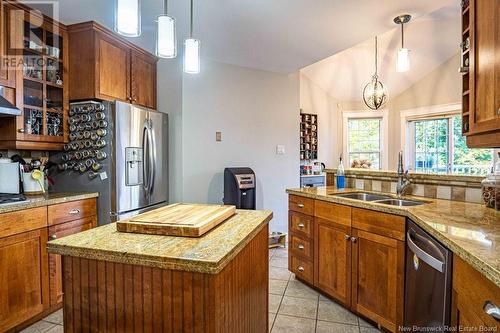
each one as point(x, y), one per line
point(117, 281)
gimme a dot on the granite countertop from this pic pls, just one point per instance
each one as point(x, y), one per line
point(46, 200)
point(471, 231)
point(209, 253)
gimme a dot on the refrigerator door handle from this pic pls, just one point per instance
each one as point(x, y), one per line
point(152, 159)
point(424, 256)
point(145, 153)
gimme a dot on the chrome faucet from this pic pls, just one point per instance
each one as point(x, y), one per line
point(403, 180)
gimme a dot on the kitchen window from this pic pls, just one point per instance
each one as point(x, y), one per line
point(364, 141)
point(437, 146)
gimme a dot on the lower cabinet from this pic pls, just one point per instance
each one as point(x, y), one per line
point(23, 277)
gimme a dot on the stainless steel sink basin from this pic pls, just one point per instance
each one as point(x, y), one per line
point(363, 196)
point(400, 202)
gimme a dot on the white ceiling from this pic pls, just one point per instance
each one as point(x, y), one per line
point(275, 35)
point(432, 39)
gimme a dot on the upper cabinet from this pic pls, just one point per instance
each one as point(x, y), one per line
point(481, 72)
point(36, 48)
point(109, 67)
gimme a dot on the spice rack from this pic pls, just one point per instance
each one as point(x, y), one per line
point(308, 136)
point(466, 60)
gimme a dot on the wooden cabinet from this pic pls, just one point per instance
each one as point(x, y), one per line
point(358, 256)
point(23, 275)
point(472, 298)
point(55, 267)
point(481, 72)
point(30, 278)
point(7, 75)
point(109, 67)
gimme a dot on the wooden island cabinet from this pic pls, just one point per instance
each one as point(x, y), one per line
point(30, 278)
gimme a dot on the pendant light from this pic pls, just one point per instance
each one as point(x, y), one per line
point(374, 94)
point(191, 50)
point(403, 61)
point(128, 17)
point(166, 41)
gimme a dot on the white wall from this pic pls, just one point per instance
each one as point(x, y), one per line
point(315, 100)
point(255, 110)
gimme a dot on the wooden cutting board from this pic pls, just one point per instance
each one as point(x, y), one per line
point(190, 220)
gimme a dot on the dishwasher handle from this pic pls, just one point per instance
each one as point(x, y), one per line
point(424, 256)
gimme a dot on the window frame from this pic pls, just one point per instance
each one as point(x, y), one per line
point(383, 115)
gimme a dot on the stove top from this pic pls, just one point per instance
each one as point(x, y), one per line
point(11, 198)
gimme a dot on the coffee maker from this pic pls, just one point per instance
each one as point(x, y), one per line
point(239, 188)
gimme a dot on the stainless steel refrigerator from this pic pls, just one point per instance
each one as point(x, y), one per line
point(133, 176)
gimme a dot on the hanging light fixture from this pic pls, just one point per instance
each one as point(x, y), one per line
point(128, 17)
point(191, 50)
point(166, 41)
point(403, 61)
point(374, 94)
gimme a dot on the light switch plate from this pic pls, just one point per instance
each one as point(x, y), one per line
point(218, 136)
point(280, 150)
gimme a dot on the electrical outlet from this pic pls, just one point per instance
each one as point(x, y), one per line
point(218, 136)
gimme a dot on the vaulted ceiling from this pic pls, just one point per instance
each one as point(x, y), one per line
point(278, 35)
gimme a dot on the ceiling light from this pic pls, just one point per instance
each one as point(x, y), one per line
point(375, 94)
point(403, 61)
point(166, 41)
point(128, 18)
point(191, 50)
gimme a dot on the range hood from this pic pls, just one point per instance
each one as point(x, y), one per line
point(7, 108)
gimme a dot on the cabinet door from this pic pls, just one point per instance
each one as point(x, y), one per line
point(378, 278)
point(333, 260)
point(55, 269)
point(113, 79)
point(7, 77)
point(23, 277)
point(143, 80)
point(485, 61)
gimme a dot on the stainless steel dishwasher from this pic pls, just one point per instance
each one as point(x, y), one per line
point(428, 281)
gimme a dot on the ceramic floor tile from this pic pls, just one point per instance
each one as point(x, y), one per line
point(56, 329)
point(279, 262)
point(328, 327)
point(277, 287)
point(39, 327)
point(299, 307)
point(274, 303)
point(365, 323)
point(333, 312)
point(279, 273)
point(298, 289)
point(272, 316)
point(289, 324)
point(55, 318)
point(369, 330)
point(281, 253)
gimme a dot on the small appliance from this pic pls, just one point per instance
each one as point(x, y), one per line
point(9, 177)
point(239, 188)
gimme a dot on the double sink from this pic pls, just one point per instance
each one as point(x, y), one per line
point(380, 199)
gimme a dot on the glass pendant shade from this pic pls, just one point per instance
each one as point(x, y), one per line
point(192, 56)
point(375, 94)
point(403, 61)
point(128, 18)
point(166, 43)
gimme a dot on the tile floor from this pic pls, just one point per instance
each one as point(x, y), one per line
point(293, 307)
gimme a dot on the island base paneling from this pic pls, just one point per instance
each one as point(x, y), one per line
point(106, 296)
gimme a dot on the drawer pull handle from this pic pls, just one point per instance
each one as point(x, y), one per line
point(354, 239)
point(300, 205)
point(301, 225)
point(300, 269)
point(347, 237)
point(491, 309)
point(74, 211)
point(52, 237)
point(300, 247)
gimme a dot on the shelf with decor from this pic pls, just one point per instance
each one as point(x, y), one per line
point(42, 84)
point(308, 136)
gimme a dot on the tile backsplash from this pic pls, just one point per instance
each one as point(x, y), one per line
point(449, 187)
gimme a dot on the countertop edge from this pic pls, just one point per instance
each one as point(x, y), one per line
point(485, 269)
point(187, 265)
point(42, 202)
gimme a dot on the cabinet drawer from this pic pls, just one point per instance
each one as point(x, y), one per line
point(301, 224)
point(383, 224)
point(32, 219)
point(303, 269)
point(301, 204)
point(332, 212)
point(71, 211)
point(301, 247)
